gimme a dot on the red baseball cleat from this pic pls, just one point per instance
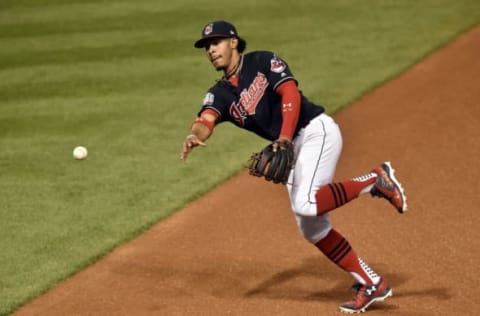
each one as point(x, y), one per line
point(365, 295)
point(388, 187)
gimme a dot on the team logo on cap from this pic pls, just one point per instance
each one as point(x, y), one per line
point(208, 29)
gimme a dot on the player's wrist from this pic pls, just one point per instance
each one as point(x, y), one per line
point(285, 138)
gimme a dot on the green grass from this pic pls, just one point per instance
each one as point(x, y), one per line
point(122, 78)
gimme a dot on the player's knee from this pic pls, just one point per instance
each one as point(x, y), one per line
point(315, 231)
point(303, 207)
point(315, 237)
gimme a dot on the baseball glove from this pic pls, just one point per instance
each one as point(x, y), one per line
point(273, 165)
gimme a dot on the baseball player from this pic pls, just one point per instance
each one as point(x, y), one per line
point(259, 93)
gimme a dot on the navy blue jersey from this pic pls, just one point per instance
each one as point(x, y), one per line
point(254, 105)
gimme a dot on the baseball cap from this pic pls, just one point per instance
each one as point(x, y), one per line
point(222, 29)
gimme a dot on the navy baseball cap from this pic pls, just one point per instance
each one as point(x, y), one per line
point(220, 29)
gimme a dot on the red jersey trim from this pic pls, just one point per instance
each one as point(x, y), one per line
point(207, 123)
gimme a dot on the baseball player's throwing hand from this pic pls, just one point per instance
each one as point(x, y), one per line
point(190, 142)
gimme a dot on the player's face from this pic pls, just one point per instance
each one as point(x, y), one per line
point(219, 52)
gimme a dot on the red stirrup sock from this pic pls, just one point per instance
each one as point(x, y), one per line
point(339, 251)
point(334, 195)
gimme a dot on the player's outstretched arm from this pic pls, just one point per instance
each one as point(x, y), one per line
point(202, 128)
point(191, 141)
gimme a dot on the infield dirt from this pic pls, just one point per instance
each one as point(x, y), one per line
point(237, 251)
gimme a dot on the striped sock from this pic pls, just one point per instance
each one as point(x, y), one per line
point(336, 248)
point(334, 195)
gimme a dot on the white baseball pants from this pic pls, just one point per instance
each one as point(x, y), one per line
point(317, 150)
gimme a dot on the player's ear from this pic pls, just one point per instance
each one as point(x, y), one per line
point(233, 42)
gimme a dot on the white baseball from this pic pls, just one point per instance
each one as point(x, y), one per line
point(80, 153)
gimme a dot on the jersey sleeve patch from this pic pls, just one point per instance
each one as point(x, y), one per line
point(208, 99)
point(277, 65)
